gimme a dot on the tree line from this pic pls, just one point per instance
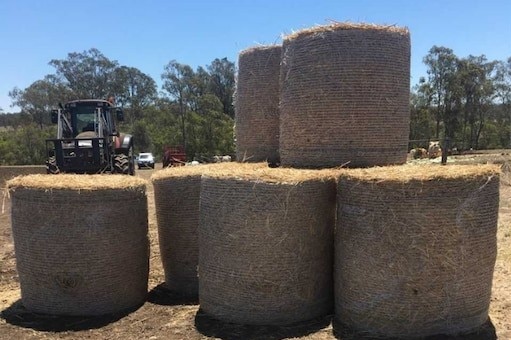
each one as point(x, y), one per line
point(465, 99)
point(194, 107)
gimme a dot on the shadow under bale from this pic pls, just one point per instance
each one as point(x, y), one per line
point(485, 332)
point(211, 327)
point(161, 295)
point(18, 315)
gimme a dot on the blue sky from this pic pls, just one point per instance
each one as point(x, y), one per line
point(148, 34)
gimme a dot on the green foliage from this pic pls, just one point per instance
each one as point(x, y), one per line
point(461, 98)
point(24, 145)
point(467, 99)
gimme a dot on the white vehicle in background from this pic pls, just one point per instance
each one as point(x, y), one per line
point(145, 159)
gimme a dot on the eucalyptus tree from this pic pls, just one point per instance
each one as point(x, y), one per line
point(476, 78)
point(88, 74)
point(40, 97)
point(178, 84)
point(222, 82)
point(442, 67)
point(133, 90)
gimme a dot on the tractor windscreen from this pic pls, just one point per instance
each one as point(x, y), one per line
point(83, 118)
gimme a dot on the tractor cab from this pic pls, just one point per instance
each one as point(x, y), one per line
point(87, 139)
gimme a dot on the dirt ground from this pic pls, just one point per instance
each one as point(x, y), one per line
point(163, 316)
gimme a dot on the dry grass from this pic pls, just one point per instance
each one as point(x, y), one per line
point(165, 317)
point(425, 172)
point(76, 182)
point(335, 26)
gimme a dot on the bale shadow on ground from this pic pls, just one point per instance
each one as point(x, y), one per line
point(211, 327)
point(160, 295)
point(485, 332)
point(18, 315)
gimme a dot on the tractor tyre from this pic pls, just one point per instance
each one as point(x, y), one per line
point(52, 167)
point(121, 164)
point(131, 160)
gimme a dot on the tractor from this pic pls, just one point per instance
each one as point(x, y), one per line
point(87, 140)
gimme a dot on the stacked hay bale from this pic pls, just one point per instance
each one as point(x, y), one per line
point(266, 243)
point(176, 197)
point(345, 96)
point(81, 242)
point(415, 249)
point(257, 104)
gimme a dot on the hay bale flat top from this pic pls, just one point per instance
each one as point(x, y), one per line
point(407, 173)
point(193, 171)
point(260, 48)
point(336, 26)
point(77, 182)
point(272, 175)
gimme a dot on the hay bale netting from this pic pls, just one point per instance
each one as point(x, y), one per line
point(415, 249)
point(345, 96)
point(257, 104)
point(266, 243)
point(176, 197)
point(81, 242)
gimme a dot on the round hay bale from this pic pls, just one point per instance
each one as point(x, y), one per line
point(176, 197)
point(415, 249)
point(266, 245)
point(257, 104)
point(81, 242)
point(345, 96)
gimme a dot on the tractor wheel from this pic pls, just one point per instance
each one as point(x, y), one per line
point(131, 160)
point(121, 164)
point(51, 166)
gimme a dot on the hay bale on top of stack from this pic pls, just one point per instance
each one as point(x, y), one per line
point(415, 249)
point(81, 242)
point(257, 104)
point(266, 245)
point(345, 96)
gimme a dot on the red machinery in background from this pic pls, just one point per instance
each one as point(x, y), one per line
point(174, 156)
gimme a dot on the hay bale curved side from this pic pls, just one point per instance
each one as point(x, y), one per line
point(266, 250)
point(79, 251)
point(177, 213)
point(345, 96)
point(257, 104)
point(415, 257)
